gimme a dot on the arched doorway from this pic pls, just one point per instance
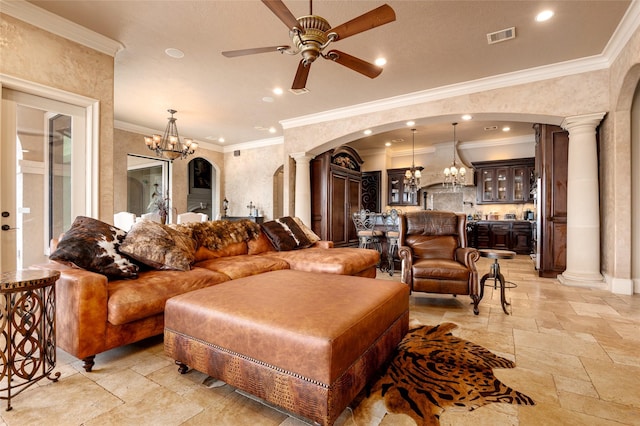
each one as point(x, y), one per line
point(202, 183)
point(278, 193)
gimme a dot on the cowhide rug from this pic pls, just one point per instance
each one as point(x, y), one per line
point(432, 371)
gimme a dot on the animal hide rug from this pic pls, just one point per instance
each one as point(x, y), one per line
point(432, 370)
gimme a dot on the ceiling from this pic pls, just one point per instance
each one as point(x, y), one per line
point(430, 44)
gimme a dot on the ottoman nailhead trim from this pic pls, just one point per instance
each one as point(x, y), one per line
point(273, 367)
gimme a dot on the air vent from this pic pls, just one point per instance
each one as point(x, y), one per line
point(502, 35)
point(489, 128)
point(299, 91)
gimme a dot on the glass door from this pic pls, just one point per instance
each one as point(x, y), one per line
point(43, 171)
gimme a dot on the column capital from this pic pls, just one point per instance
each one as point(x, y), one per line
point(591, 120)
point(304, 156)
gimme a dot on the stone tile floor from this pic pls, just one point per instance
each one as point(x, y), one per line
point(577, 354)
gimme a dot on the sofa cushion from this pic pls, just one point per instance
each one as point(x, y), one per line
point(243, 266)
point(342, 261)
point(133, 300)
point(233, 249)
point(159, 246)
point(260, 244)
point(285, 234)
point(93, 245)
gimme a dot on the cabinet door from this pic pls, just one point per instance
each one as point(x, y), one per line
point(487, 185)
point(520, 189)
point(499, 236)
point(482, 236)
point(339, 209)
point(395, 189)
point(521, 238)
point(502, 185)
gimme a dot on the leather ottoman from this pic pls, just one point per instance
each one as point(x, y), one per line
point(304, 341)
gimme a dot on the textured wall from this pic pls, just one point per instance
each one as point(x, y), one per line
point(249, 178)
point(35, 55)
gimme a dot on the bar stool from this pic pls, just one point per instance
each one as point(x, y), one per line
point(368, 236)
point(495, 273)
point(392, 233)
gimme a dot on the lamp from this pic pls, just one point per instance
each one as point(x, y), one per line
point(412, 176)
point(169, 145)
point(454, 177)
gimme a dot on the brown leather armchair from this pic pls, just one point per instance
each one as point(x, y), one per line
point(435, 257)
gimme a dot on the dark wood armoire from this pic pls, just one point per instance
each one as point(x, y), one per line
point(336, 194)
point(552, 155)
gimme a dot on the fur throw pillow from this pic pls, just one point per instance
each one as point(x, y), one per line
point(93, 245)
point(159, 246)
point(218, 234)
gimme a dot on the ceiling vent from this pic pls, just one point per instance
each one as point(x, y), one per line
point(489, 128)
point(502, 35)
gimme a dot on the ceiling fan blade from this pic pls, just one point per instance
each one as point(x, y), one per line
point(243, 52)
point(282, 12)
point(300, 80)
point(374, 18)
point(356, 64)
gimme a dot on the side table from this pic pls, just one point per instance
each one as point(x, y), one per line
point(495, 273)
point(27, 330)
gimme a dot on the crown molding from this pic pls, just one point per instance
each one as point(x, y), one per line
point(260, 143)
point(141, 130)
point(31, 14)
point(490, 143)
point(593, 63)
point(629, 23)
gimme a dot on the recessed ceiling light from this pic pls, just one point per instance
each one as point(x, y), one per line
point(387, 144)
point(174, 53)
point(545, 15)
point(506, 128)
point(467, 117)
point(268, 99)
point(367, 132)
point(272, 129)
point(380, 62)
point(221, 140)
point(411, 123)
point(278, 91)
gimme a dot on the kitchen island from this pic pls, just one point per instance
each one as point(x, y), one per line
point(513, 235)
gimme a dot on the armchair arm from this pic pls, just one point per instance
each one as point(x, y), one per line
point(81, 310)
point(406, 256)
point(468, 256)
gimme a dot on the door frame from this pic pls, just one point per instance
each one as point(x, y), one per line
point(92, 132)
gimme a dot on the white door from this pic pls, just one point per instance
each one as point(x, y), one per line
point(43, 169)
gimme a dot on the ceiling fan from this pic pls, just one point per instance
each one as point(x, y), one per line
point(312, 34)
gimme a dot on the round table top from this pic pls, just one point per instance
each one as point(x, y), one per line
point(497, 254)
point(27, 278)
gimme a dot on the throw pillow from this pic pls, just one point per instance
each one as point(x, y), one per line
point(312, 236)
point(159, 246)
point(93, 245)
point(285, 234)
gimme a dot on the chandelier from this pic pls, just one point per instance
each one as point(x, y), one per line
point(169, 145)
point(454, 177)
point(412, 176)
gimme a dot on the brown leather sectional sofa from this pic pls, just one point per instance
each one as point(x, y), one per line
point(95, 314)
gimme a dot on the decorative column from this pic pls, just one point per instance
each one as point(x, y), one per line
point(583, 204)
point(303, 186)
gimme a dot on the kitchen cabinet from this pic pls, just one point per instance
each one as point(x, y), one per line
point(505, 181)
point(397, 196)
point(514, 235)
point(336, 185)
